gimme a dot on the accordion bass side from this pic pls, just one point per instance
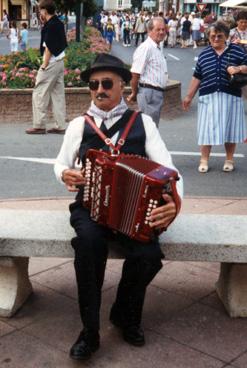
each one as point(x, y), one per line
point(121, 191)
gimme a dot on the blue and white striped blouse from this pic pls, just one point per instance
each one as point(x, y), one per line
point(211, 69)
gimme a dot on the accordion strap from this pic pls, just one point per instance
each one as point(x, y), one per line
point(107, 140)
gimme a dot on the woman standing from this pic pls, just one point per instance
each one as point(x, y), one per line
point(196, 24)
point(221, 118)
point(172, 28)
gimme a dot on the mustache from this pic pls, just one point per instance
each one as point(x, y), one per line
point(102, 95)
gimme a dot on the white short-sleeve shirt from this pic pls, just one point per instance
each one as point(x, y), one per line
point(150, 63)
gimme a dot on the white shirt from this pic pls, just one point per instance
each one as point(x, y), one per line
point(114, 19)
point(54, 58)
point(173, 24)
point(13, 35)
point(196, 24)
point(154, 146)
point(150, 63)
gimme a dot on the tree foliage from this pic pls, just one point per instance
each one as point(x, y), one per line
point(89, 6)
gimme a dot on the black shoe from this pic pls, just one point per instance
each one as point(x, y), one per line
point(134, 335)
point(85, 345)
point(116, 318)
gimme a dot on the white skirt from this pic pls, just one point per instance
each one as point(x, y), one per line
point(221, 119)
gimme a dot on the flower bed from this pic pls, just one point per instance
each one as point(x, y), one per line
point(19, 70)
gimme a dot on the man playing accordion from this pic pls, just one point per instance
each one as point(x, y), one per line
point(106, 79)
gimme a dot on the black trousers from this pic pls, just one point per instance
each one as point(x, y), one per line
point(142, 262)
point(138, 36)
point(126, 36)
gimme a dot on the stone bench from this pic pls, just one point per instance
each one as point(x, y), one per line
point(209, 238)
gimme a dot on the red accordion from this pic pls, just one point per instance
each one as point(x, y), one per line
point(122, 190)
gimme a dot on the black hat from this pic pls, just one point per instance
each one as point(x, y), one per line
point(107, 62)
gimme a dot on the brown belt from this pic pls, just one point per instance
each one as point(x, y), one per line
point(145, 85)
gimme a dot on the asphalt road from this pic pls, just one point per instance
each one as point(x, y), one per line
point(26, 161)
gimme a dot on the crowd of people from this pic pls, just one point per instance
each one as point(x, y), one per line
point(181, 29)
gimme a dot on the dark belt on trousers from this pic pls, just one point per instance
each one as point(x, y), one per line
point(145, 85)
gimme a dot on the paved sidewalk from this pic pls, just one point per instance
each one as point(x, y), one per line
point(186, 325)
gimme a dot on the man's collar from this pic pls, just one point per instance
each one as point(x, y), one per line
point(152, 42)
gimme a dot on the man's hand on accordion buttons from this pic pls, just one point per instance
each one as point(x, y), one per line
point(163, 215)
point(73, 178)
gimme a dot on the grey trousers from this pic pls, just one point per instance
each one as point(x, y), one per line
point(150, 102)
point(49, 86)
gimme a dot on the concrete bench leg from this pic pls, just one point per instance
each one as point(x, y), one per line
point(15, 286)
point(232, 288)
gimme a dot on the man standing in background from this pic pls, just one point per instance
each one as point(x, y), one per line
point(149, 71)
point(49, 84)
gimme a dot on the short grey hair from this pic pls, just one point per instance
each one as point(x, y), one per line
point(151, 25)
point(217, 27)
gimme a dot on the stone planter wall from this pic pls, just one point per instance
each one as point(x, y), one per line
point(16, 104)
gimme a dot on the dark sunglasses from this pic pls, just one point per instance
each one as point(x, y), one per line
point(105, 83)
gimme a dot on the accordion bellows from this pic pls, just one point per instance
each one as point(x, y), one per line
point(121, 191)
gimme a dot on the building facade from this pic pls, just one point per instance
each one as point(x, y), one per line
point(18, 10)
point(117, 4)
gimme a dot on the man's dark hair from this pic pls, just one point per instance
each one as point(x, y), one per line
point(242, 15)
point(48, 5)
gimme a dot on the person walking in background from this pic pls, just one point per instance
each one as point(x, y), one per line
point(104, 20)
point(149, 71)
point(23, 37)
point(49, 84)
point(13, 36)
point(221, 116)
point(109, 32)
point(5, 22)
point(140, 28)
point(172, 29)
point(185, 31)
point(126, 31)
point(115, 20)
point(195, 27)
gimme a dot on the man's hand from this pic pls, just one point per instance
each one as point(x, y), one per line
point(162, 216)
point(72, 178)
point(43, 66)
point(131, 98)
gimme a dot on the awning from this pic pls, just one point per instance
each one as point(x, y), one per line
point(242, 4)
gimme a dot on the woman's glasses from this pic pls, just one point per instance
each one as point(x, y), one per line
point(217, 36)
point(105, 83)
